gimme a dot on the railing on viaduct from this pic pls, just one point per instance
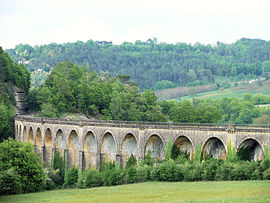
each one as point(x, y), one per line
point(86, 142)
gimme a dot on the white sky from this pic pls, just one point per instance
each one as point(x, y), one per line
point(205, 21)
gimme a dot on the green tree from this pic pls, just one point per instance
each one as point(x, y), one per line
point(22, 158)
point(182, 112)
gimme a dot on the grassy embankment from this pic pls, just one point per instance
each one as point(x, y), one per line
point(240, 91)
point(229, 191)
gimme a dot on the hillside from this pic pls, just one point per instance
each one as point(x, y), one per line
point(12, 77)
point(234, 92)
point(149, 62)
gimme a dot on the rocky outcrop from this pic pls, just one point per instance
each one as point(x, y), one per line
point(21, 102)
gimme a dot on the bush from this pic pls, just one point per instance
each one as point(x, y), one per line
point(55, 177)
point(113, 177)
point(224, 171)
point(266, 174)
point(57, 174)
point(131, 174)
point(132, 161)
point(210, 168)
point(240, 171)
point(10, 182)
point(22, 158)
point(168, 171)
point(92, 179)
point(144, 173)
point(193, 171)
point(71, 177)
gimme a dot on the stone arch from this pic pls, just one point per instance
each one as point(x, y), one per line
point(60, 142)
point(90, 150)
point(254, 147)
point(73, 149)
point(214, 147)
point(129, 146)
point(31, 136)
point(108, 147)
point(184, 144)
point(155, 145)
point(38, 140)
point(48, 146)
point(24, 135)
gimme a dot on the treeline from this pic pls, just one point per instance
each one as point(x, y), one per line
point(73, 89)
point(12, 76)
point(149, 62)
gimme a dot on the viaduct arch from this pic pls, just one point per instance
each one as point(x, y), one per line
point(86, 143)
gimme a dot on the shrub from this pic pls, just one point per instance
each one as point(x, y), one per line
point(10, 182)
point(255, 170)
point(22, 158)
point(193, 171)
point(106, 166)
point(224, 171)
point(266, 174)
point(182, 158)
point(71, 177)
point(240, 171)
point(57, 174)
point(209, 169)
point(175, 151)
point(113, 177)
point(131, 174)
point(148, 160)
point(132, 161)
point(90, 178)
point(168, 150)
point(198, 153)
point(165, 171)
point(55, 177)
point(144, 173)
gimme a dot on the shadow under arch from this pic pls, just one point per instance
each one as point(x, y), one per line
point(24, 135)
point(155, 146)
point(48, 147)
point(129, 146)
point(73, 149)
point(215, 148)
point(60, 142)
point(108, 147)
point(252, 148)
point(90, 150)
point(38, 141)
point(184, 144)
point(31, 136)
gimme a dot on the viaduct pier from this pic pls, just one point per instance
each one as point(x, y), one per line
point(85, 143)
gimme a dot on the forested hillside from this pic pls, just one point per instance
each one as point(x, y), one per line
point(151, 64)
point(11, 75)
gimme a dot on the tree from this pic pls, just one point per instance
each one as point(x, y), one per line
point(22, 158)
point(6, 122)
point(182, 112)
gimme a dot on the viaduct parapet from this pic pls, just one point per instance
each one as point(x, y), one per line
point(86, 143)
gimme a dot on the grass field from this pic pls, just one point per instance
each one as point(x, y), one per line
point(234, 92)
point(229, 191)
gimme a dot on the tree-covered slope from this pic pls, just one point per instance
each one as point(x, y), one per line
point(150, 62)
point(11, 75)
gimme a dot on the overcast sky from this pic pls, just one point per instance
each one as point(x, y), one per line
point(205, 21)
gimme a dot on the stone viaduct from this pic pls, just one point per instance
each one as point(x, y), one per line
point(86, 143)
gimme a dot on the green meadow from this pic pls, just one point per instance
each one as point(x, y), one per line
point(223, 191)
